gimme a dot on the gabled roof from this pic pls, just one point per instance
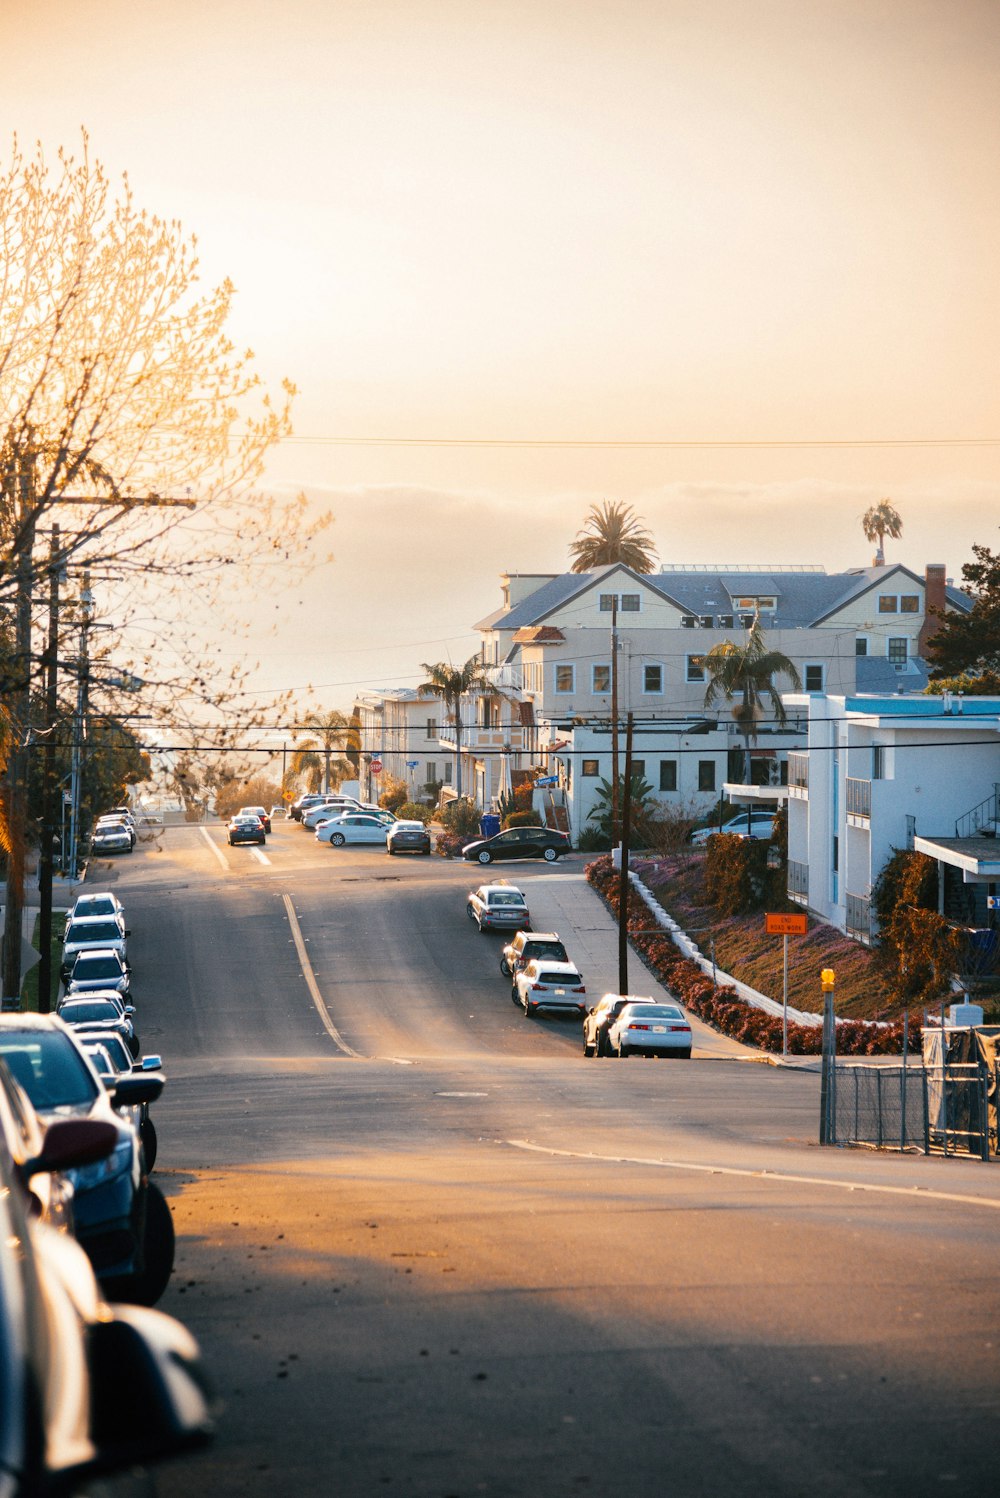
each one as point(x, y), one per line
point(539, 634)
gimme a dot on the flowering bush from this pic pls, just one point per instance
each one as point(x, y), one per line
point(450, 844)
point(722, 1008)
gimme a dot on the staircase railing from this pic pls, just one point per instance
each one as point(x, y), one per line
point(986, 812)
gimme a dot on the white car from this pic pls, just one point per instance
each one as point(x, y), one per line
point(555, 987)
point(354, 827)
point(100, 902)
point(87, 932)
point(646, 1028)
point(498, 907)
point(761, 826)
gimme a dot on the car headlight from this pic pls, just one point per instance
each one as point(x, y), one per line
point(85, 1177)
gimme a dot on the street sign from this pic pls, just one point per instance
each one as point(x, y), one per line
point(786, 924)
point(993, 902)
point(411, 764)
point(376, 767)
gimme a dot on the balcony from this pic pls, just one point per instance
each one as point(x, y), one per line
point(798, 882)
point(859, 802)
point(798, 776)
point(859, 918)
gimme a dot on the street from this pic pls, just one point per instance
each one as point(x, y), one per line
point(429, 1249)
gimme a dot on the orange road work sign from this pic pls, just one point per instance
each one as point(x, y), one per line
point(785, 925)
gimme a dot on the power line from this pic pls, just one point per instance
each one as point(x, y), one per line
point(652, 444)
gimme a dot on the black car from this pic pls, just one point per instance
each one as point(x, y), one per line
point(519, 842)
point(246, 830)
point(86, 1390)
point(411, 836)
point(122, 1221)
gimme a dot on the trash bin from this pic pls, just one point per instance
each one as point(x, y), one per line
point(489, 824)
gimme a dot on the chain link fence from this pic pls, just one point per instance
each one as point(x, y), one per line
point(947, 1109)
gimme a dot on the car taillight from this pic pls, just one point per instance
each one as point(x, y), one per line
point(537, 986)
point(680, 1029)
point(581, 989)
point(634, 1026)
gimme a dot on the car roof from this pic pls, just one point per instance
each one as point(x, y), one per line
point(94, 920)
point(104, 952)
point(553, 964)
point(501, 884)
point(539, 936)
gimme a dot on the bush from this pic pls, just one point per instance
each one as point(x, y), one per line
point(736, 873)
point(461, 817)
point(593, 840)
point(393, 792)
point(449, 844)
point(520, 819)
point(414, 811)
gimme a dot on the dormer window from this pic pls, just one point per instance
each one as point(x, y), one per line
point(725, 621)
point(687, 621)
point(706, 621)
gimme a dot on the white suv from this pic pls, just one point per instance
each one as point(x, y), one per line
point(555, 987)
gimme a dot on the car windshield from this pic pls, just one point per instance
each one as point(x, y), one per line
point(561, 980)
point(506, 897)
point(654, 1011)
point(93, 905)
point(86, 968)
point(88, 1012)
point(49, 1068)
point(100, 932)
point(552, 949)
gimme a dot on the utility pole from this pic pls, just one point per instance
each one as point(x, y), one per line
point(623, 885)
point(614, 719)
point(79, 724)
point(20, 484)
point(50, 788)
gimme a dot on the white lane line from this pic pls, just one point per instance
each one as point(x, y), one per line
point(311, 983)
point(260, 857)
point(915, 1193)
point(214, 847)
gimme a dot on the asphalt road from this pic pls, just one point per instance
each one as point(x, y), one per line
point(429, 1249)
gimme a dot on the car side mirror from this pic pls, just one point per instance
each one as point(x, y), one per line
point(128, 931)
point(129, 1009)
point(71, 1142)
point(138, 1087)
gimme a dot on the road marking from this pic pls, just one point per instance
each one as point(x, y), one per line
point(915, 1193)
point(261, 857)
point(214, 847)
point(311, 983)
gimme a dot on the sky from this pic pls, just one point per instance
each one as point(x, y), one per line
point(498, 246)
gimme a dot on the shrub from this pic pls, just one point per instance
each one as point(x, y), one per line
point(523, 794)
point(393, 792)
point(918, 950)
point(460, 816)
point(521, 819)
point(736, 873)
point(593, 840)
point(449, 844)
point(414, 811)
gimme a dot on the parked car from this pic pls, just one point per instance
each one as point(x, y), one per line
point(257, 811)
point(92, 931)
point(649, 1029)
point(95, 1012)
point(598, 1021)
point(111, 823)
point(329, 806)
point(87, 1390)
point(519, 842)
point(355, 827)
point(98, 969)
point(122, 1221)
point(555, 987)
point(528, 944)
point(761, 825)
point(246, 830)
point(49, 1192)
point(115, 1059)
point(498, 907)
point(111, 838)
point(96, 902)
point(413, 837)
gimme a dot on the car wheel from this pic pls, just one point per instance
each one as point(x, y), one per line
point(147, 1132)
point(588, 1048)
point(623, 1053)
point(550, 855)
point(484, 856)
point(338, 840)
point(529, 1010)
point(505, 967)
point(146, 1286)
point(684, 1055)
point(470, 912)
point(390, 851)
point(515, 997)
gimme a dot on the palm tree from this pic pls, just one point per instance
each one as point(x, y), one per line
point(452, 683)
point(605, 811)
point(332, 731)
point(746, 672)
point(613, 533)
point(879, 521)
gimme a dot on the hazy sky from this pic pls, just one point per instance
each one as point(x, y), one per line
point(487, 221)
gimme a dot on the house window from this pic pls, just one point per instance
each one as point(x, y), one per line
point(706, 774)
point(630, 603)
point(909, 603)
point(878, 762)
point(814, 678)
point(565, 678)
point(446, 774)
point(432, 728)
point(888, 603)
point(652, 678)
point(898, 650)
point(861, 645)
point(590, 767)
point(607, 602)
point(706, 621)
point(695, 668)
point(432, 771)
point(687, 621)
point(747, 620)
point(725, 621)
point(600, 679)
point(668, 774)
point(638, 769)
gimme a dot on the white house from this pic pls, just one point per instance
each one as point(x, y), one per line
point(881, 773)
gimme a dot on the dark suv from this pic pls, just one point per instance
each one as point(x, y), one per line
point(519, 842)
point(528, 944)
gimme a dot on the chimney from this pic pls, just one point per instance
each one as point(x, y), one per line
point(934, 589)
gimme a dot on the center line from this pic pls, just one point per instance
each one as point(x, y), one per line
point(214, 847)
point(311, 983)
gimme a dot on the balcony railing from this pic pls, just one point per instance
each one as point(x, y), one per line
point(859, 798)
point(859, 918)
point(798, 880)
point(798, 771)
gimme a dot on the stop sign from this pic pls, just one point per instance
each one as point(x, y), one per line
point(376, 767)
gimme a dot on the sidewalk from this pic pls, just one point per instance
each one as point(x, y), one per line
point(566, 903)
